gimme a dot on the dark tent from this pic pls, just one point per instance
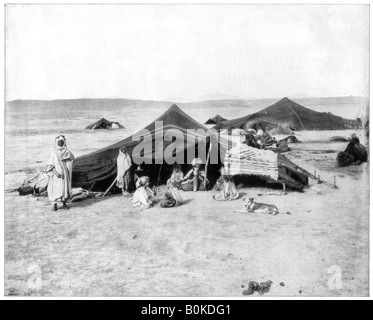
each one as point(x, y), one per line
point(215, 120)
point(297, 117)
point(103, 124)
point(100, 167)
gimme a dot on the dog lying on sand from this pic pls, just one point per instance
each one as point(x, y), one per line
point(254, 207)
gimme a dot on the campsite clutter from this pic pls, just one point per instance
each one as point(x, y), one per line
point(258, 157)
point(262, 288)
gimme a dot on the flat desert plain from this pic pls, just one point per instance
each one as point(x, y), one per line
point(105, 247)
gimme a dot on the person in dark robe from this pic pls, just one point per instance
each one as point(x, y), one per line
point(354, 154)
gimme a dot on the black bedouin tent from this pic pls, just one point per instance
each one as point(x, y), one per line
point(100, 167)
point(103, 124)
point(215, 120)
point(289, 113)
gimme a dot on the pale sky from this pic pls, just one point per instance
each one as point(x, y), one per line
point(165, 51)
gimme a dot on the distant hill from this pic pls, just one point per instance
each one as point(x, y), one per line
point(245, 107)
point(300, 96)
point(217, 96)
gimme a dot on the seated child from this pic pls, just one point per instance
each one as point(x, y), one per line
point(172, 196)
point(143, 196)
point(228, 189)
point(177, 176)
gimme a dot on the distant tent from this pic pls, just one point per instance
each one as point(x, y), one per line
point(283, 129)
point(295, 116)
point(215, 120)
point(103, 124)
point(100, 167)
point(259, 124)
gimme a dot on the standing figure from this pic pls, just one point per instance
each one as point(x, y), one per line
point(59, 168)
point(124, 177)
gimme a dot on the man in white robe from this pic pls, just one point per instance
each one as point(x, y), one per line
point(59, 168)
point(124, 171)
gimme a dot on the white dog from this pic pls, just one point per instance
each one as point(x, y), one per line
point(255, 207)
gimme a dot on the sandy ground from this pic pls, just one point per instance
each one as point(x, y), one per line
point(104, 247)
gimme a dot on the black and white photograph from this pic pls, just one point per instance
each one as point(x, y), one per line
point(186, 150)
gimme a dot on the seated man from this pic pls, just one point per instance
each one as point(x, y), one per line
point(195, 180)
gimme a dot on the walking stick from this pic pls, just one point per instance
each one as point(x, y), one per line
point(111, 186)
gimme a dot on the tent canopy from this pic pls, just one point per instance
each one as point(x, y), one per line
point(100, 167)
point(297, 117)
point(103, 124)
point(215, 120)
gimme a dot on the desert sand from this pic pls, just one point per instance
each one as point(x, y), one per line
point(105, 247)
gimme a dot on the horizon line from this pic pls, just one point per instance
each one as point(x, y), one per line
point(191, 100)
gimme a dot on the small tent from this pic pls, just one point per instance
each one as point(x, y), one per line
point(103, 124)
point(215, 120)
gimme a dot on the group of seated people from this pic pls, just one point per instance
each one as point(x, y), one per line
point(194, 180)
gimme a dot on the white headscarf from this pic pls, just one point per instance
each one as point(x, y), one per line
point(58, 139)
point(142, 182)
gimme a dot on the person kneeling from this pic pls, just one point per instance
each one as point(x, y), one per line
point(143, 196)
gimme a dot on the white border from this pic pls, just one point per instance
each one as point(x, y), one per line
point(174, 2)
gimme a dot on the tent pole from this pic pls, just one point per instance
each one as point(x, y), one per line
point(159, 175)
point(111, 186)
point(207, 164)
